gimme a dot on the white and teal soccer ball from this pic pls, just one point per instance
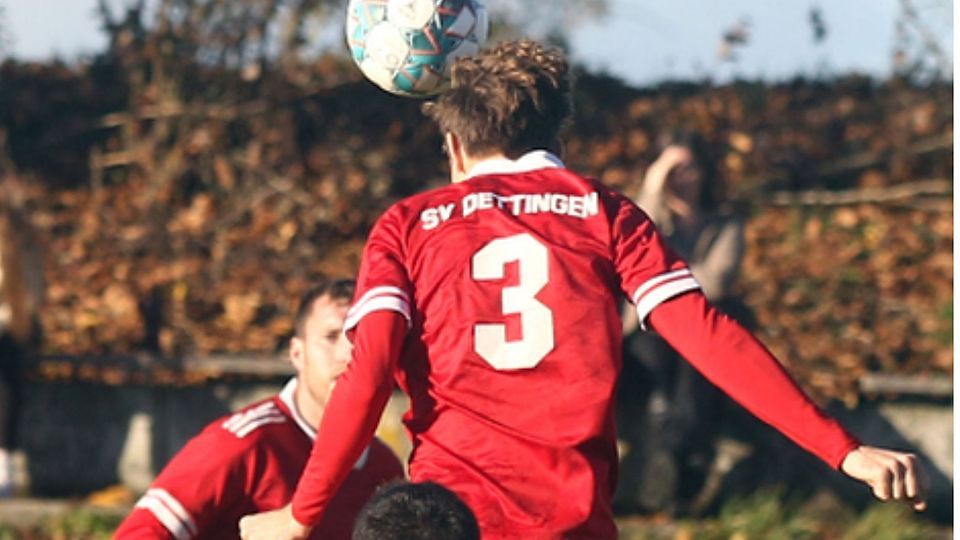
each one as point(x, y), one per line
point(407, 46)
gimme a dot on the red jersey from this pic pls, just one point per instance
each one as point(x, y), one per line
point(248, 462)
point(508, 283)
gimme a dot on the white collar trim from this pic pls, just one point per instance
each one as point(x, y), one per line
point(531, 161)
point(287, 397)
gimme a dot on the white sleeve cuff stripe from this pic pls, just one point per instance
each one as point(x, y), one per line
point(664, 292)
point(173, 504)
point(657, 280)
point(377, 291)
point(389, 303)
point(180, 529)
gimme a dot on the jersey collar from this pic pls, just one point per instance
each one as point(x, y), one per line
point(531, 161)
point(287, 397)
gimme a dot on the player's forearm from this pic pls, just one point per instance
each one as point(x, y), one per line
point(741, 366)
point(352, 413)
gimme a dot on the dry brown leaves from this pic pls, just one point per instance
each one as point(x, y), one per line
point(845, 291)
point(195, 233)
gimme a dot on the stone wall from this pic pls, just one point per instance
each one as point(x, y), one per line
point(80, 437)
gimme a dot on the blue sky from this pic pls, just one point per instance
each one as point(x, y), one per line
point(639, 41)
point(681, 38)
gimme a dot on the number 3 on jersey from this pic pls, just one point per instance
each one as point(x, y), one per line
point(536, 319)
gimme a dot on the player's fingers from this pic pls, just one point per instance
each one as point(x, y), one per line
point(245, 528)
point(898, 484)
point(910, 482)
point(923, 486)
point(882, 484)
point(914, 481)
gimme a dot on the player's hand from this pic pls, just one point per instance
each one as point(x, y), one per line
point(273, 525)
point(659, 170)
point(891, 475)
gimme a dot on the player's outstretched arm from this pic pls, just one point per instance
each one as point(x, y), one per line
point(891, 475)
point(275, 524)
point(736, 362)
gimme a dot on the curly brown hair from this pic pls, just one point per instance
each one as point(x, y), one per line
point(512, 99)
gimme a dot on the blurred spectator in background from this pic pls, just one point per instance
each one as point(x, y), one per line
point(421, 510)
point(668, 411)
point(21, 293)
point(252, 460)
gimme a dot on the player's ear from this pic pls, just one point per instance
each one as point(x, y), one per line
point(456, 155)
point(296, 353)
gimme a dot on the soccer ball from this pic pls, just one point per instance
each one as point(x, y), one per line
point(407, 46)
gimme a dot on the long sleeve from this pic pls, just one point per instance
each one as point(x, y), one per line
point(352, 413)
point(734, 360)
point(142, 523)
point(194, 496)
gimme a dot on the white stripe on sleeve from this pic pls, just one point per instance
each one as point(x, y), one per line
point(662, 291)
point(177, 508)
point(245, 429)
point(657, 280)
point(168, 512)
point(377, 291)
point(233, 423)
point(378, 303)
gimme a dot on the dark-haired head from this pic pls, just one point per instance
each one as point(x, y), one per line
point(422, 511)
point(711, 185)
point(335, 289)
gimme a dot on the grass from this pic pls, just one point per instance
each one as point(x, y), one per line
point(74, 525)
point(767, 515)
point(892, 522)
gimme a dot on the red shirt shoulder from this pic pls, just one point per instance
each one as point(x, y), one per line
point(247, 462)
point(234, 466)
